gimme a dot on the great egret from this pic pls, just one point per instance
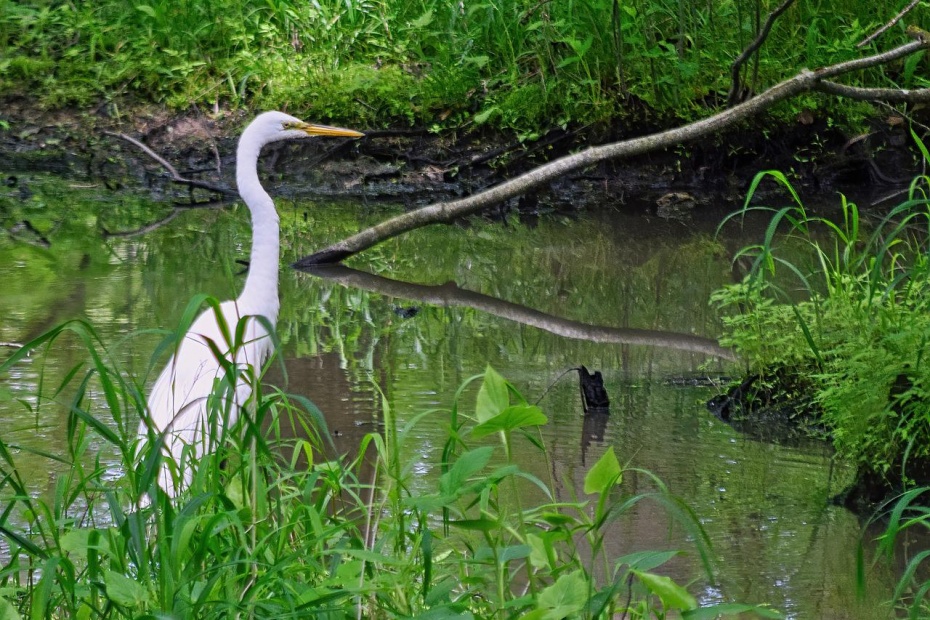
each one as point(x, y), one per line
point(178, 403)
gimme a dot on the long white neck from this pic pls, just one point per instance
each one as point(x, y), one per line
point(260, 294)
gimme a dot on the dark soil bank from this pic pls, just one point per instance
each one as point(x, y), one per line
point(416, 167)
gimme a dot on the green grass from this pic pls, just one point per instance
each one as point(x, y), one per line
point(271, 526)
point(846, 308)
point(906, 517)
point(518, 64)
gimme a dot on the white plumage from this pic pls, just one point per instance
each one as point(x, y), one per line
point(178, 403)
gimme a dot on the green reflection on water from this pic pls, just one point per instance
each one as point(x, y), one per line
point(764, 506)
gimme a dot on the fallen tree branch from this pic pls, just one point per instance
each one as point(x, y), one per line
point(446, 212)
point(735, 83)
point(891, 95)
point(175, 175)
point(894, 20)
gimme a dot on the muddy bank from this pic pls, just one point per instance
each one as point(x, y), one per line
point(416, 167)
point(778, 407)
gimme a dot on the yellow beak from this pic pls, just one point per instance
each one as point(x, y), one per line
point(325, 130)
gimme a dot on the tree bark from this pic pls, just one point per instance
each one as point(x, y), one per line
point(805, 81)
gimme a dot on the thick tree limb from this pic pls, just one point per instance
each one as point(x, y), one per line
point(891, 95)
point(446, 212)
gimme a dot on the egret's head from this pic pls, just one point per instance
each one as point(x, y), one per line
point(275, 126)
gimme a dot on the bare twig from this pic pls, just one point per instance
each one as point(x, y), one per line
point(445, 212)
point(894, 20)
point(175, 175)
point(735, 86)
point(144, 229)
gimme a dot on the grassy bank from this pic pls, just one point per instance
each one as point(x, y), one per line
point(845, 307)
point(516, 64)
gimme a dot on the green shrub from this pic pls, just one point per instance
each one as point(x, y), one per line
point(860, 334)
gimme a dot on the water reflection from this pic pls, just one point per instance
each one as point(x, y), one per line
point(449, 294)
point(612, 291)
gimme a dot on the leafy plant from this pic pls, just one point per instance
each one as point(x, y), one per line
point(271, 526)
point(859, 329)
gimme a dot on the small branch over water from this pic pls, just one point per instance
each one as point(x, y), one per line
point(175, 175)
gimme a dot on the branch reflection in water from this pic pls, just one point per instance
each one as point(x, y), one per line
point(449, 294)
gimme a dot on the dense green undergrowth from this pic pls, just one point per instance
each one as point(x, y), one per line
point(274, 525)
point(517, 64)
point(852, 319)
point(842, 309)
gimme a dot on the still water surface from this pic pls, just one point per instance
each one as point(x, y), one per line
point(531, 300)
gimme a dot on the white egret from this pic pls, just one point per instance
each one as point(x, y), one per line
point(178, 403)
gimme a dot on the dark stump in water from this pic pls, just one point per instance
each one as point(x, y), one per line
point(593, 393)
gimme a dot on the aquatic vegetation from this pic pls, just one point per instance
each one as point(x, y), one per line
point(275, 524)
point(853, 321)
point(904, 517)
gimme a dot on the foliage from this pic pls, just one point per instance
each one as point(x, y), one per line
point(860, 330)
point(274, 524)
point(520, 64)
point(905, 517)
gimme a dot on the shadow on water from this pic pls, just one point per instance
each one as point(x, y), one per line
point(620, 293)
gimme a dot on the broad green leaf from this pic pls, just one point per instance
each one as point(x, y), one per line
point(124, 591)
point(605, 473)
point(673, 596)
point(539, 557)
point(510, 418)
point(7, 611)
point(565, 598)
point(514, 552)
point(646, 560)
point(492, 397)
point(74, 542)
point(465, 466)
point(146, 9)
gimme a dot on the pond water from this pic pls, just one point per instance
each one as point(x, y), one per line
point(616, 291)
